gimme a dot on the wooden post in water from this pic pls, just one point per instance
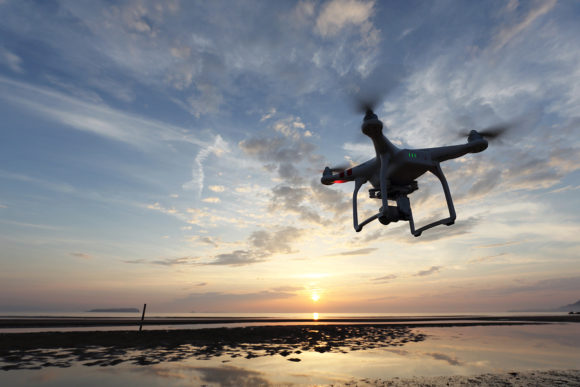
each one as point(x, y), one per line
point(142, 317)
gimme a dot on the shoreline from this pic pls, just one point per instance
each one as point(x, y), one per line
point(462, 320)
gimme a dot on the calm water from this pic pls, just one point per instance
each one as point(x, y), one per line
point(308, 315)
point(445, 351)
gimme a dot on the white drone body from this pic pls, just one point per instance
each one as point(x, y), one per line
point(393, 173)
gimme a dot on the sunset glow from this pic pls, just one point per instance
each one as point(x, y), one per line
point(170, 153)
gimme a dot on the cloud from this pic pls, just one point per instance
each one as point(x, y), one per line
point(218, 147)
point(338, 14)
point(211, 200)
point(216, 188)
point(219, 298)
point(540, 286)
point(169, 261)
point(363, 251)
point(207, 100)
point(517, 27)
point(288, 199)
point(238, 258)
point(385, 279)
point(205, 239)
point(30, 225)
point(52, 185)
point(268, 115)
point(431, 270)
point(81, 255)
point(94, 118)
point(501, 244)
point(283, 150)
point(261, 245)
point(565, 189)
point(10, 60)
point(276, 241)
point(135, 261)
point(486, 258)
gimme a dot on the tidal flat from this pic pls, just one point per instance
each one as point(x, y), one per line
point(435, 353)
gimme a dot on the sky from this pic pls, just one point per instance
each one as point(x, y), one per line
point(170, 153)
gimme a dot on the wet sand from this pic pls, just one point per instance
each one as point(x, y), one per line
point(516, 379)
point(34, 351)
point(62, 349)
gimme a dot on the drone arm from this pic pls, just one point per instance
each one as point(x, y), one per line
point(454, 151)
point(449, 152)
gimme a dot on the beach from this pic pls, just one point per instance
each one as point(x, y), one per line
point(421, 351)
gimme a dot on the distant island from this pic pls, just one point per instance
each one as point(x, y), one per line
point(575, 307)
point(115, 310)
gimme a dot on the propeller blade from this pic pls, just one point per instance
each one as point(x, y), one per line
point(366, 101)
point(493, 132)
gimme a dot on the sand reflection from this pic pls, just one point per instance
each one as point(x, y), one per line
point(40, 350)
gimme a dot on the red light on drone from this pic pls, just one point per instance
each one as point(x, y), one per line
point(340, 181)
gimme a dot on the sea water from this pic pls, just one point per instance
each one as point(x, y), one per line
point(448, 350)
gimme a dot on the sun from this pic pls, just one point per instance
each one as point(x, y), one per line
point(315, 297)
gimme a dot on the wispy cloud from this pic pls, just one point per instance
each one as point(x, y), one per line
point(385, 278)
point(31, 225)
point(501, 244)
point(94, 118)
point(10, 60)
point(218, 147)
point(430, 271)
point(487, 258)
point(516, 27)
point(363, 251)
point(81, 255)
point(220, 297)
point(48, 184)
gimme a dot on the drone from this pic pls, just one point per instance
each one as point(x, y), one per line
point(393, 173)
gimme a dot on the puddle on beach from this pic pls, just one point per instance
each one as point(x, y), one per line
point(315, 357)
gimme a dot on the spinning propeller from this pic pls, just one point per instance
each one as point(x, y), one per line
point(492, 133)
